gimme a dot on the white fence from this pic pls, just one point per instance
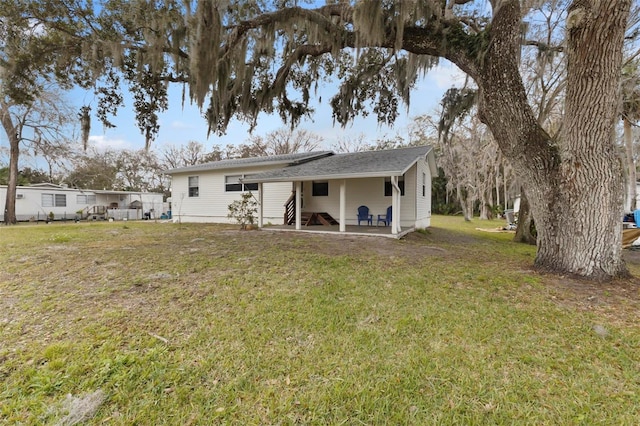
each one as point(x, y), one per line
point(122, 214)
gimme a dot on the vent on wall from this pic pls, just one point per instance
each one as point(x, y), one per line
point(19, 196)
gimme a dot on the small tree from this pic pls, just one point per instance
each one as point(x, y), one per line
point(244, 211)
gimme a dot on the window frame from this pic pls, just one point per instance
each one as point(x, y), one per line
point(238, 186)
point(86, 199)
point(47, 200)
point(53, 200)
point(193, 190)
point(60, 200)
point(320, 188)
point(248, 187)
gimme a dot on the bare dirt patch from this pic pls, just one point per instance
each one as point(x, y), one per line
point(414, 246)
point(618, 300)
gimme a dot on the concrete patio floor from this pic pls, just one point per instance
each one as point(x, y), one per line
point(371, 231)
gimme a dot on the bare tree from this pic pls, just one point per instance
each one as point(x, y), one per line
point(359, 143)
point(352, 144)
point(281, 141)
point(458, 155)
point(190, 154)
point(41, 124)
point(287, 141)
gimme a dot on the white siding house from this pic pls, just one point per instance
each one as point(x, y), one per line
point(202, 193)
point(336, 184)
point(39, 201)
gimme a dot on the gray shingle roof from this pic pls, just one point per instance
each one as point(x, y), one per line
point(392, 162)
point(285, 159)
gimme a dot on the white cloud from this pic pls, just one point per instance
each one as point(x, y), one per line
point(103, 143)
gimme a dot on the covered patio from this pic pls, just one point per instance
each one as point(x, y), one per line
point(394, 227)
point(333, 189)
point(350, 230)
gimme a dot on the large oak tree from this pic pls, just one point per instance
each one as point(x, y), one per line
point(574, 184)
point(239, 59)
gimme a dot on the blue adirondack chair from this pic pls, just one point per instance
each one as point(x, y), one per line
point(363, 215)
point(385, 218)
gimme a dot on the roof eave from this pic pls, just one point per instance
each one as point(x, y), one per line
point(248, 179)
point(207, 166)
point(204, 168)
point(424, 156)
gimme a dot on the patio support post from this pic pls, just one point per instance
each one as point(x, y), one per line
point(298, 205)
point(395, 205)
point(399, 208)
point(260, 204)
point(343, 205)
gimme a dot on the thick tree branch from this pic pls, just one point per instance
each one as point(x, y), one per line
point(320, 16)
point(462, 48)
point(501, 88)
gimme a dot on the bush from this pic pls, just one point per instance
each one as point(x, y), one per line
point(244, 211)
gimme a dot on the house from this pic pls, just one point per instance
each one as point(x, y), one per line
point(39, 201)
point(292, 188)
point(203, 192)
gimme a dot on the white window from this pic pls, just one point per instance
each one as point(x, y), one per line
point(194, 188)
point(424, 184)
point(232, 184)
point(54, 200)
point(47, 200)
point(85, 199)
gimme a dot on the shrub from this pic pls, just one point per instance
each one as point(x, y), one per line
point(244, 211)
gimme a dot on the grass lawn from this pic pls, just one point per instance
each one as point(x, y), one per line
point(156, 323)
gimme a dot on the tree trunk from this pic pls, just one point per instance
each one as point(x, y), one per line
point(630, 204)
point(471, 201)
point(484, 206)
point(13, 135)
point(10, 201)
point(498, 183)
point(574, 186)
point(524, 230)
point(463, 198)
point(504, 185)
point(486, 202)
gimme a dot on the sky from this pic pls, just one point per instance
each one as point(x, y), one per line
point(180, 125)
